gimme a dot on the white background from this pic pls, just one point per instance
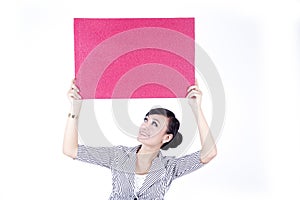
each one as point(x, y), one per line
point(255, 46)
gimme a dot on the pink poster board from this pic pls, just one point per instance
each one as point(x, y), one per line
point(134, 58)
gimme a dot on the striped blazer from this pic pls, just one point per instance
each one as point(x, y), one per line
point(121, 161)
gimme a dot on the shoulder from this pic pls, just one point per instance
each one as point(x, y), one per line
point(195, 156)
point(167, 159)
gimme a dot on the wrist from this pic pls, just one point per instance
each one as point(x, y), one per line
point(75, 108)
point(73, 116)
point(73, 111)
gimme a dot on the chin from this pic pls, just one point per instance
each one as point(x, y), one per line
point(141, 139)
point(144, 141)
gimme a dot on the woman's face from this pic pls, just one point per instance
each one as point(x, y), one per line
point(153, 131)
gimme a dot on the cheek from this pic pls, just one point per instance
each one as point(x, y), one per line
point(156, 131)
point(158, 134)
point(156, 138)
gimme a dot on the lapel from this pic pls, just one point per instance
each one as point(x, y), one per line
point(129, 164)
point(156, 172)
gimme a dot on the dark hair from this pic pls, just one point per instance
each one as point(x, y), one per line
point(173, 127)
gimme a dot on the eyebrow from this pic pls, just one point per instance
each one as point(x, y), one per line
point(154, 119)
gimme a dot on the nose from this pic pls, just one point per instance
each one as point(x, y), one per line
point(145, 125)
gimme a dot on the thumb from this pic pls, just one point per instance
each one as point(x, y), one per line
point(196, 82)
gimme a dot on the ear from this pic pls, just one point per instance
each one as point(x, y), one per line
point(167, 138)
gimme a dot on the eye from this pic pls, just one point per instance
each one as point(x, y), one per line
point(145, 119)
point(154, 124)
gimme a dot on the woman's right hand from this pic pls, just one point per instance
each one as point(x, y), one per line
point(74, 98)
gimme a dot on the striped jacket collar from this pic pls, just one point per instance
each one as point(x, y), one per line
point(156, 172)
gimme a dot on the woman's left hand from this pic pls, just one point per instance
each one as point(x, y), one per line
point(194, 96)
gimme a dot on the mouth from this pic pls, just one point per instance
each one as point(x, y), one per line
point(143, 134)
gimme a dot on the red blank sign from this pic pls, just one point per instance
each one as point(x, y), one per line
point(134, 58)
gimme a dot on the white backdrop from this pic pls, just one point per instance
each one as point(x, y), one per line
point(255, 46)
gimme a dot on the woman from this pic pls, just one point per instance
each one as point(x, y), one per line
point(142, 172)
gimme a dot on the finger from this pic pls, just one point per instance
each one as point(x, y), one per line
point(74, 96)
point(74, 87)
point(71, 96)
point(194, 94)
point(77, 95)
point(73, 84)
point(74, 93)
point(193, 97)
point(193, 90)
point(193, 87)
point(71, 91)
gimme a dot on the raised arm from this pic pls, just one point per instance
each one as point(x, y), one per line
point(70, 143)
point(209, 149)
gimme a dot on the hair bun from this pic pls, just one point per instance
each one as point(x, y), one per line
point(177, 140)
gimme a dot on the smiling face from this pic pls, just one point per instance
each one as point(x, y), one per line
point(153, 132)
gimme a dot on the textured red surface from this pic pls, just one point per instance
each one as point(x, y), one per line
point(134, 58)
